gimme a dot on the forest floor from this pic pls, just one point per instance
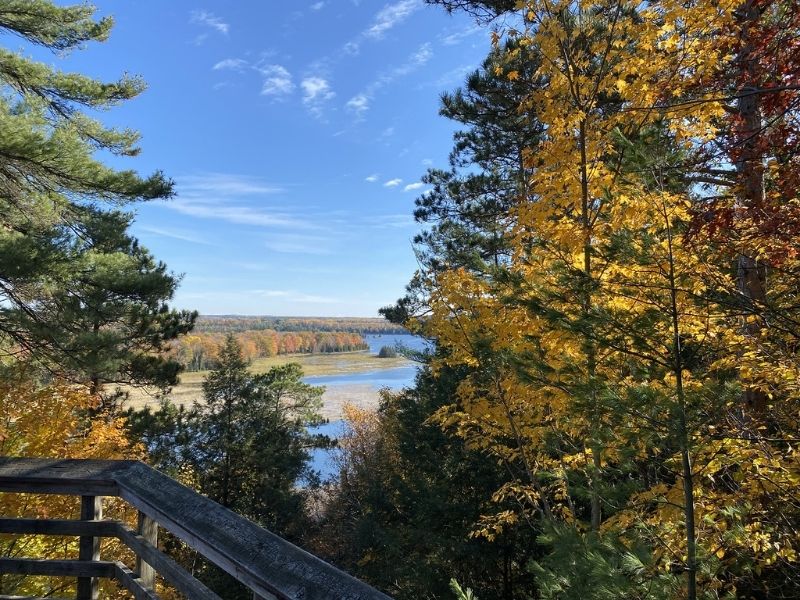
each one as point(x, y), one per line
point(190, 388)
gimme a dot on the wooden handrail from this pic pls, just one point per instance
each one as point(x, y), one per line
point(266, 563)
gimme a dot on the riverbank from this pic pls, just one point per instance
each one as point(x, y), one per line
point(339, 365)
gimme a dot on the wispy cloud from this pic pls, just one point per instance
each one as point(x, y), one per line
point(175, 234)
point(237, 214)
point(418, 59)
point(317, 6)
point(316, 88)
point(453, 77)
point(232, 64)
point(203, 17)
point(387, 18)
point(360, 103)
point(295, 296)
point(390, 16)
point(225, 184)
point(261, 294)
point(457, 37)
point(277, 80)
point(371, 178)
point(316, 92)
point(293, 243)
point(396, 221)
point(413, 186)
point(393, 182)
point(229, 198)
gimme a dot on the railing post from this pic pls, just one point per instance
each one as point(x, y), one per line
point(89, 547)
point(148, 529)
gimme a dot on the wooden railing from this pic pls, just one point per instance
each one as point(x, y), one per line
point(268, 565)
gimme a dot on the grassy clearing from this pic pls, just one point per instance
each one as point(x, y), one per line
point(190, 389)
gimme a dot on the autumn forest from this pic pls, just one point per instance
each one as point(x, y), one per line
point(608, 284)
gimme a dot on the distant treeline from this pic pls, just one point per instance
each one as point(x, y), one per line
point(200, 351)
point(233, 323)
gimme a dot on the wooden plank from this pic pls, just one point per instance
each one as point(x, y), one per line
point(60, 476)
point(59, 527)
point(56, 568)
point(269, 565)
point(171, 571)
point(133, 583)
point(89, 547)
point(29, 598)
point(148, 529)
point(266, 563)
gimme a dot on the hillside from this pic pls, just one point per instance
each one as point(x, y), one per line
point(235, 323)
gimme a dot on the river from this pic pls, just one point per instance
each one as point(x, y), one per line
point(375, 380)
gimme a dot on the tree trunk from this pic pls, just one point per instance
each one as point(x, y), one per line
point(591, 354)
point(751, 272)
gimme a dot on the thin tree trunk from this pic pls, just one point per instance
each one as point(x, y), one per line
point(751, 272)
point(591, 354)
point(683, 429)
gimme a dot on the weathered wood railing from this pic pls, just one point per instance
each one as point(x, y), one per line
point(267, 564)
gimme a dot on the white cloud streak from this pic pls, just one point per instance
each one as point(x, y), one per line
point(224, 184)
point(390, 16)
point(229, 197)
point(393, 182)
point(203, 17)
point(232, 64)
point(174, 234)
point(298, 244)
point(413, 186)
point(386, 19)
point(360, 103)
point(456, 38)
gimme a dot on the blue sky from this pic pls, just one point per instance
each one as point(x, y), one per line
point(296, 131)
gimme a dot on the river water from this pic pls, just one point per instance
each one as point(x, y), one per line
point(393, 379)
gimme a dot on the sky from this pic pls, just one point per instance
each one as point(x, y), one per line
point(296, 132)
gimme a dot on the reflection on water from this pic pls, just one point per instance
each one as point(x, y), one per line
point(376, 342)
point(392, 378)
point(321, 460)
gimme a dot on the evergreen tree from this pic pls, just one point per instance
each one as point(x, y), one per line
point(484, 10)
point(248, 443)
point(404, 508)
point(467, 209)
point(245, 446)
point(69, 295)
point(106, 321)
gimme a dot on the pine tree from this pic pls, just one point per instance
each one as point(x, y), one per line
point(77, 293)
point(467, 211)
point(246, 446)
point(247, 443)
